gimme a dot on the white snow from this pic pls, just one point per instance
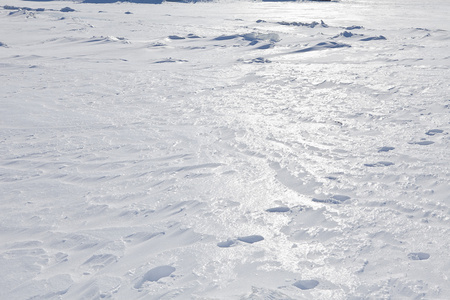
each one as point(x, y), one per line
point(225, 150)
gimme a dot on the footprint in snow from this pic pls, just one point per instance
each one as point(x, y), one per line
point(155, 274)
point(246, 239)
point(227, 244)
point(422, 143)
point(434, 131)
point(385, 149)
point(251, 239)
point(306, 284)
point(278, 209)
point(380, 164)
point(418, 256)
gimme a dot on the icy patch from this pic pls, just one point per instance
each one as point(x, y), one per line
point(306, 284)
point(155, 274)
point(418, 256)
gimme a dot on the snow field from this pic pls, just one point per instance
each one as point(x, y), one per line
point(224, 150)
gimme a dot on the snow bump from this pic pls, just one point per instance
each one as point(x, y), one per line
point(155, 274)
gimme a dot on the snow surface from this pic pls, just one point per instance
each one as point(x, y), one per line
point(225, 150)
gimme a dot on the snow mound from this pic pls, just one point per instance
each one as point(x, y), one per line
point(155, 274)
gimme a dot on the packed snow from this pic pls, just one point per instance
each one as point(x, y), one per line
point(225, 150)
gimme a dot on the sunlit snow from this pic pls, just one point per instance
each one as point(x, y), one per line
point(225, 150)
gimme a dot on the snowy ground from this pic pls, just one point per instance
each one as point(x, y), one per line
point(225, 150)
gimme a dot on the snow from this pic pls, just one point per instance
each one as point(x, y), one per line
point(225, 150)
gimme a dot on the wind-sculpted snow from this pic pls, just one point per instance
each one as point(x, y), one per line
point(302, 24)
point(322, 45)
point(224, 150)
point(155, 274)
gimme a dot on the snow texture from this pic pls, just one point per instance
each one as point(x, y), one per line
point(224, 149)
